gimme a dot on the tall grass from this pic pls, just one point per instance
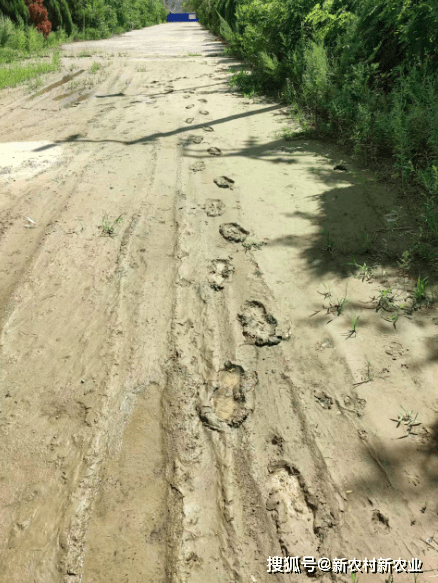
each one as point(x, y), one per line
point(17, 72)
point(20, 48)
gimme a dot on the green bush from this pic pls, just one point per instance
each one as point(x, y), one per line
point(365, 73)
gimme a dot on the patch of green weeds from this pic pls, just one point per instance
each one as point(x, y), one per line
point(95, 67)
point(108, 227)
point(18, 72)
point(338, 306)
point(386, 300)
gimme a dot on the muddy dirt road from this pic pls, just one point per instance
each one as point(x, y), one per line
point(170, 410)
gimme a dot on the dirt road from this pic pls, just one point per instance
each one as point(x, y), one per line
point(169, 409)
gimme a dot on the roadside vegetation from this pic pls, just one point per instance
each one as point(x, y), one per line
point(359, 72)
point(24, 50)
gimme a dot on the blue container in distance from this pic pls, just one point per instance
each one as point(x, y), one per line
point(182, 17)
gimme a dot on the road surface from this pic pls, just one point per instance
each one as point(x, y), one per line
point(169, 411)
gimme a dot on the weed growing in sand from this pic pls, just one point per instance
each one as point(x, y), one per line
point(407, 420)
point(367, 371)
point(365, 272)
point(395, 315)
point(420, 290)
point(327, 293)
point(386, 300)
point(329, 244)
point(107, 227)
point(406, 260)
point(340, 305)
point(95, 67)
point(366, 243)
point(352, 333)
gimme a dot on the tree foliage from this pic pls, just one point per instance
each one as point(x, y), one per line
point(88, 18)
point(39, 16)
point(365, 71)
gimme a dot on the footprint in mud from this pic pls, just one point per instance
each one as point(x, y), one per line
point(292, 510)
point(224, 182)
point(186, 96)
point(380, 522)
point(259, 327)
point(323, 399)
point(232, 399)
point(208, 129)
point(214, 151)
point(197, 166)
point(233, 232)
point(395, 350)
point(190, 106)
point(214, 207)
point(355, 404)
point(189, 120)
point(203, 112)
point(190, 140)
point(221, 271)
point(202, 100)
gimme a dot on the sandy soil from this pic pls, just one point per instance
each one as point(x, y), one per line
point(180, 400)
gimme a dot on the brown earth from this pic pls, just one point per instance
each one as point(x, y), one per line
point(179, 398)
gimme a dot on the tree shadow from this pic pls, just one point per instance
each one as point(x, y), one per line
point(389, 473)
point(145, 139)
point(121, 94)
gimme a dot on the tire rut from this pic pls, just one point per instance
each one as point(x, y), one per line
point(217, 394)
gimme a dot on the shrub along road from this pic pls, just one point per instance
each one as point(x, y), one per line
point(184, 391)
